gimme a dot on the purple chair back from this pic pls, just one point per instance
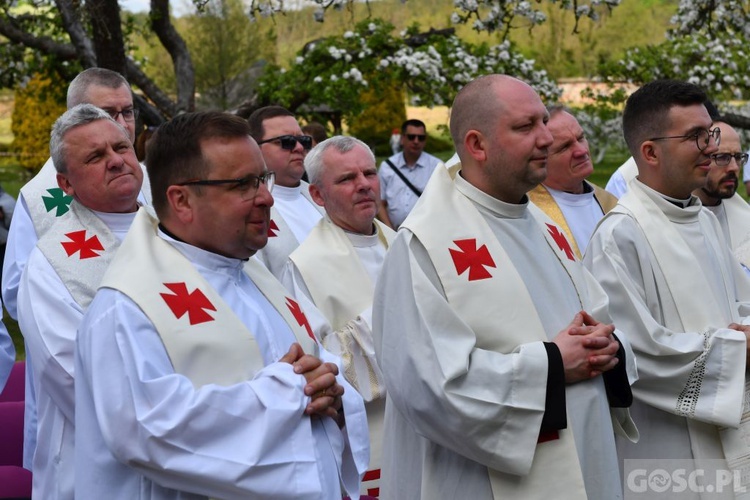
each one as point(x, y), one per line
point(15, 481)
point(16, 384)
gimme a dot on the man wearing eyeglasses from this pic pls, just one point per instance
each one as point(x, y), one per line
point(42, 202)
point(97, 167)
point(294, 213)
point(719, 195)
point(404, 175)
point(198, 374)
point(675, 289)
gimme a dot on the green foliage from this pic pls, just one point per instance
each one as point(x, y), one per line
point(384, 111)
point(38, 104)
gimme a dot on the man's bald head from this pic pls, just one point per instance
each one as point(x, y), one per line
point(473, 110)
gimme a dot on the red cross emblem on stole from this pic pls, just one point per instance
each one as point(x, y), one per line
point(468, 256)
point(193, 303)
point(561, 240)
point(272, 228)
point(87, 248)
point(299, 315)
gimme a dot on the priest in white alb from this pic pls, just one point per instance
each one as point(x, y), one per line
point(336, 268)
point(674, 287)
point(97, 167)
point(200, 375)
point(719, 194)
point(505, 378)
point(294, 213)
point(575, 204)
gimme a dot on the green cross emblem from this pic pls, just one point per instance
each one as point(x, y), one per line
point(59, 200)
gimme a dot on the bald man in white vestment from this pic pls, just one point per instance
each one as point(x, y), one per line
point(336, 269)
point(98, 169)
point(200, 376)
point(500, 384)
point(674, 287)
point(575, 204)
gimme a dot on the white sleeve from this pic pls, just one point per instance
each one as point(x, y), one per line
point(352, 343)
point(49, 317)
point(707, 366)
point(22, 239)
point(242, 440)
point(616, 184)
point(484, 405)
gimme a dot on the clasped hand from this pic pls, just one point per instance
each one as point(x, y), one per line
point(588, 348)
point(325, 393)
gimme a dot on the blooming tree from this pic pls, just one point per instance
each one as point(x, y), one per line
point(432, 67)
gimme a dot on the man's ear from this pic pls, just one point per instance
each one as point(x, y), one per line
point(316, 195)
point(181, 202)
point(651, 153)
point(475, 145)
point(64, 184)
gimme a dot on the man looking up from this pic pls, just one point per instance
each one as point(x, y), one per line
point(719, 195)
point(293, 214)
point(350, 245)
point(404, 175)
point(674, 286)
point(499, 385)
point(566, 196)
point(193, 378)
point(98, 169)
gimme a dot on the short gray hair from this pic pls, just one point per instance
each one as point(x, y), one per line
point(87, 78)
point(342, 143)
point(79, 115)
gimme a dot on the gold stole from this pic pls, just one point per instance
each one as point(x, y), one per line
point(542, 198)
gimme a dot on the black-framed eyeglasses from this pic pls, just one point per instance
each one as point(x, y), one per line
point(129, 114)
point(419, 137)
point(702, 137)
point(289, 142)
point(723, 159)
point(247, 186)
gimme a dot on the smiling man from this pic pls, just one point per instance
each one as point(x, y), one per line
point(575, 204)
point(97, 167)
point(674, 287)
point(350, 245)
point(199, 376)
point(719, 195)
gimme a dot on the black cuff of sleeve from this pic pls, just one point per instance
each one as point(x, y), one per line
point(555, 416)
point(616, 382)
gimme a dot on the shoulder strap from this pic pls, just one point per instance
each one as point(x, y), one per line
point(403, 178)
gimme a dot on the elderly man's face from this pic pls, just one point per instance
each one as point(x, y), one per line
point(349, 189)
point(722, 182)
point(569, 162)
point(103, 173)
point(288, 165)
point(114, 101)
point(225, 220)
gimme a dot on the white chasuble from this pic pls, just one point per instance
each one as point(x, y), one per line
point(488, 317)
point(325, 253)
point(685, 263)
point(195, 324)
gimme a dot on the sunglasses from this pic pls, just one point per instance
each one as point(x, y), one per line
point(289, 142)
point(419, 137)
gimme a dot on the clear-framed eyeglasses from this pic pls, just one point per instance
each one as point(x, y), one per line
point(702, 137)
